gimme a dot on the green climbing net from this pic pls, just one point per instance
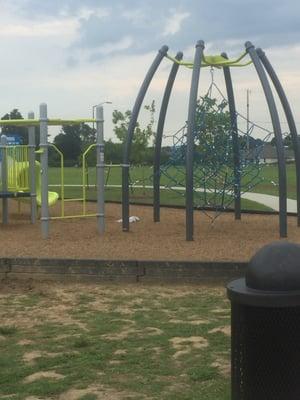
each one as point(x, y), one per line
point(214, 172)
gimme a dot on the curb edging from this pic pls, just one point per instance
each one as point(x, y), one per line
point(94, 270)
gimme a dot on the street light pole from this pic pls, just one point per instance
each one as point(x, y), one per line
point(98, 105)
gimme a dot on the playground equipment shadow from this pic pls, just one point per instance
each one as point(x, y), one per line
point(223, 240)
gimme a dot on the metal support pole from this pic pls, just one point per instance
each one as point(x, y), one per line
point(100, 170)
point(289, 117)
point(159, 136)
point(235, 141)
point(248, 119)
point(278, 137)
point(44, 170)
point(3, 147)
point(32, 177)
point(132, 124)
point(189, 183)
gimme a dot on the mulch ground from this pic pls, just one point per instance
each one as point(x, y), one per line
point(225, 239)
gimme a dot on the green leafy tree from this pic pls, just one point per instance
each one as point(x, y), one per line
point(69, 142)
point(287, 141)
point(72, 141)
point(213, 132)
point(113, 152)
point(142, 136)
point(86, 134)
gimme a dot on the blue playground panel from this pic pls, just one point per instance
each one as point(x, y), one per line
point(13, 140)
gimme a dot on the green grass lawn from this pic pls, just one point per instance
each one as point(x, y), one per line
point(115, 342)
point(143, 176)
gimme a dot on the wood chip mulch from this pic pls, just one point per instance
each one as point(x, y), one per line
point(225, 239)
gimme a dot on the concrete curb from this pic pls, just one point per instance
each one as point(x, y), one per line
point(92, 270)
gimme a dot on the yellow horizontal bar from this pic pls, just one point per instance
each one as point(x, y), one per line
point(52, 122)
point(71, 121)
point(75, 216)
point(213, 61)
point(73, 199)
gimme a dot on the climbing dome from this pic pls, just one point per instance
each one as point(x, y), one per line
point(213, 158)
point(215, 178)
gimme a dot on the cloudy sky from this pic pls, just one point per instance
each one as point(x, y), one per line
point(74, 54)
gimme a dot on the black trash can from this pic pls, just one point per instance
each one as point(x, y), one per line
point(265, 324)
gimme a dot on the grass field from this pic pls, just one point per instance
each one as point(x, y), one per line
point(143, 176)
point(114, 342)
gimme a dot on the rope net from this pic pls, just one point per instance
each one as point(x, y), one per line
point(215, 176)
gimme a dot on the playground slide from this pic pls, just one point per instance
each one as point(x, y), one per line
point(18, 177)
point(52, 196)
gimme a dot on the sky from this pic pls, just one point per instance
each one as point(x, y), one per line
point(73, 54)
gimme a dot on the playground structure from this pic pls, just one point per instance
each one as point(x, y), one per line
point(22, 176)
point(238, 164)
point(211, 175)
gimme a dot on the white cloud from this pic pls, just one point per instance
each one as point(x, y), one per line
point(36, 50)
point(86, 13)
point(113, 47)
point(64, 27)
point(174, 23)
point(134, 16)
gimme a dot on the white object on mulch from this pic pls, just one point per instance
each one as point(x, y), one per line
point(133, 218)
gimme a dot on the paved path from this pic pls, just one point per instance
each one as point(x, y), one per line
point(264, 199)
point(270, 201)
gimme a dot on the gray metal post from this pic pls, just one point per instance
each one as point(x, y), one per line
point(100, 170)
point(3, 146)
point(235, 141)
point(44, 170)
point(32, 177)
point(278, 137)
point(289, 117)
point(158, 138)
point(189, 184)
point(127, 147)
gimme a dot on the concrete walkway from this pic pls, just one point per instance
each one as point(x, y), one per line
point(270, 201)
point(264, 199)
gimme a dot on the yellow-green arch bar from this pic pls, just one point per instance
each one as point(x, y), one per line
point(217, 61)
point(50, 122)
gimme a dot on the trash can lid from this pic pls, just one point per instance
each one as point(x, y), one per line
point(272, 278)
point(275, 267)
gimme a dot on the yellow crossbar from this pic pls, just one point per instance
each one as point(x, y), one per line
point(81, 199)
point(75, 216)
point(52, 122)
point(217, 61)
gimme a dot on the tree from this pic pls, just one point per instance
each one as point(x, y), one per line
point(113, 152)
point(19, 130)
point(287, 141)
point(86, 134)
point(213, 133)
point(141, 137)
point(69, 142)
point(72, 141)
